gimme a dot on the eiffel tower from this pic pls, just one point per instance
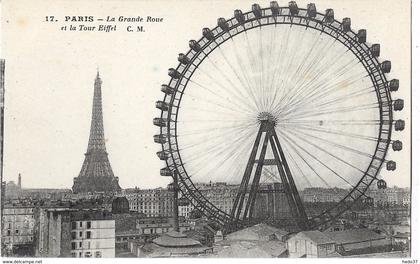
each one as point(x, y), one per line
point(96, 174)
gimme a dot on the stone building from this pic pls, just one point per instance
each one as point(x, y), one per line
point(92, 237)
point(151, 202)
point(157, 225)
point(65, 232)
point(185, 210)
point(394, 196)
point(271, 202)
point(18, 229)
point(221, 194)
point(323, 195)
point(49, 223)
point(136, 226)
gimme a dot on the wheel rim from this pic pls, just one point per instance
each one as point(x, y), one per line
point(333, 29)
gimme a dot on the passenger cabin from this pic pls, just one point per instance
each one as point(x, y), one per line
point(163, 155)
point(174, 73)
point(275, 9)
point(375, 50)
point(256, 10)
point(183, 59)
point(329, 15)
point(160, 122)
point(381, 184)
point(162, 105)
point(346, 25)
point(166, 89)
point(165, 172)
point(386, 66)
point(159, 139)
point(194, 45)
point(208, 34)
point(398, 105)
point(361, 35)
point(239, 16)
point(397, 145)
point(399, 125)
point(394, 85)
point(294, 10)
point(311, 10)
point(221, 22)
point(391, 165)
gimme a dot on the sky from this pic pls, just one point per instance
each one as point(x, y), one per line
point(50, 75)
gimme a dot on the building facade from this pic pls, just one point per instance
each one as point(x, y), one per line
point(357, 239)
point(323, 195)
point(93, 238)
point(271, 201)
point(394, 196)
point(65, 232)
point(157, 225)
point(310, 244)
point(18, 229)
point(220, 194)
point(151, 202)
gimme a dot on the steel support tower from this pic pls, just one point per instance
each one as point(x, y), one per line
point(244, 203)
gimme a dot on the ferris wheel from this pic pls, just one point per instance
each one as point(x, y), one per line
point(279, 94)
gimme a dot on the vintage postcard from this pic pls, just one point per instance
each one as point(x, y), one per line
point(206, 129)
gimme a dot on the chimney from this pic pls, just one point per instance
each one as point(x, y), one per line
point(20, 181)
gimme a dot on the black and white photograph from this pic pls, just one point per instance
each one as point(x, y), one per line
point(207, 129)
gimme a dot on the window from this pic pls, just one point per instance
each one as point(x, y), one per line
point(98, 254)
point(328, 247)
point(73, 225)
point(88, 254)
point(80, 254)
point(88, 234)
point(73, 254)
point(88, 245)
point(88, 224)
point(80, 244)
point(81, 224)
point(73, 235)
point(17, 231)
point(8, 232)
point(80, 234)
point(73, 245)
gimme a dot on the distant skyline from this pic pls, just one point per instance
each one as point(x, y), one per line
point(49, 92)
